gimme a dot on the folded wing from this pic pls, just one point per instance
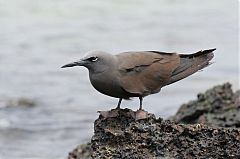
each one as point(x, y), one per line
point(144, 73)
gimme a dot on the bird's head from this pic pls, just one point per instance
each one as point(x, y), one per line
point(95, 61)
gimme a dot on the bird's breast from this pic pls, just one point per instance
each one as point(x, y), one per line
point(107, 84)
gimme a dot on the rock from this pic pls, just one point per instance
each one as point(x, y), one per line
point(81, 151)
point(198, 133)
point(124, 137)
point(218, 106)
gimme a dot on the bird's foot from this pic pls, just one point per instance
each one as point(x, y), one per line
point(137, 115)
point(110, 114)
point(141, 114)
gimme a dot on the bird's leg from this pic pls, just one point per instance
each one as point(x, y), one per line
point(112, 113)
point(141, 114)
point(119, 103)
point(141, 99)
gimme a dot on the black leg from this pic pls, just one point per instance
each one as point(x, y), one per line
point(119, 103)
point(141, 99)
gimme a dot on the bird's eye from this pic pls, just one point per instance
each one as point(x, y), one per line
point(93, 59)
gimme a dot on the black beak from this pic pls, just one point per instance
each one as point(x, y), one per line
point(81, 62)
point(78, 63)
point(70, 65)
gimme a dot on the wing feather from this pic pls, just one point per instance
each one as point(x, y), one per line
point(144, 73)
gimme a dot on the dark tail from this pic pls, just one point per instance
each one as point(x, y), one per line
point(189, 64)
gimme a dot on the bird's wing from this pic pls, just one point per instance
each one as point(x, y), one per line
point(145, 72)
point(191, 63)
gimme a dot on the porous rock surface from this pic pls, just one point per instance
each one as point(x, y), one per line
point(218, 106)
point(205, 128)
point(124, 137)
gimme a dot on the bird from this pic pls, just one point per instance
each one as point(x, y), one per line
point(139, 73)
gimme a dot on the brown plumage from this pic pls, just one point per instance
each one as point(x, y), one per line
point(147, 72)
point(138, 74)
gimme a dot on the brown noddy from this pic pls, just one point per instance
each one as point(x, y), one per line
point(138, 74)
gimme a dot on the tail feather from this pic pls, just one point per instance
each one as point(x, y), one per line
point(191, 63)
